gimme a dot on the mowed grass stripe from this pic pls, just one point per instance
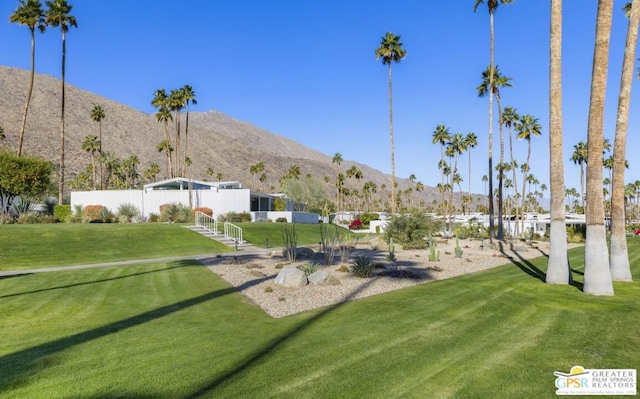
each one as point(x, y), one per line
point(497, 333)
point(36, 246)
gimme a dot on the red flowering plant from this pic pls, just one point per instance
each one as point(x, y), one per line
point(355, 225)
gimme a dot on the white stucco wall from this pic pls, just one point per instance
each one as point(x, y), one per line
point(220, 201)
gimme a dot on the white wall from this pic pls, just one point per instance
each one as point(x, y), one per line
point(292, 217)
point(220, 201)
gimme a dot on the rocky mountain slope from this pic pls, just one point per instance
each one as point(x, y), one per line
point(216, 141)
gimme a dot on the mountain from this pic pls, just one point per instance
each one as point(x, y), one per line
point(216, 141)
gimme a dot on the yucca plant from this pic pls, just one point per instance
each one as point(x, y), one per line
point(362, 266)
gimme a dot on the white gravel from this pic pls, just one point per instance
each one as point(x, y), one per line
point(253, 274)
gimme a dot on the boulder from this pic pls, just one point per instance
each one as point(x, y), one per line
point(323, 277)
point(291, 276)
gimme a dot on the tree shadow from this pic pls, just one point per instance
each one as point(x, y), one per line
point(17, 363)
point(526, 266)
point(178, 264)
point(258, 355)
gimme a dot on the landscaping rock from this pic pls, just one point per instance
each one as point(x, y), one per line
point(522, 248)
point(291, 276)
point(323, 277)
point(304, 252)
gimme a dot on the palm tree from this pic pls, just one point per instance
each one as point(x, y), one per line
point(30, 14)
point(160, 101)
point(527, 126)
point(165, 145)
point(98, 114)
point(58, 15)
point(91, 144)
point(491, 85)
point(455, 147)
point(470, 141)
point(337, 158)
point(492, 6)
point(509, 118)
point(441, 135)
point(391, 51)
point(151, 172)
point(176, 102)
point(597, 275)
point(619, 255)
point(188, 95)
point(579, 157)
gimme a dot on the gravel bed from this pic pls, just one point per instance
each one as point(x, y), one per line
point(253, 274)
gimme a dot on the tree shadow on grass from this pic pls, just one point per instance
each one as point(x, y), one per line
point(29, 361)
point(258, 355)
point(526, 266)
point(178, 264)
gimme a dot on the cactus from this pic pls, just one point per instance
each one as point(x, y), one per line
point(392, 251)
point(458, 250)
point(434, 256)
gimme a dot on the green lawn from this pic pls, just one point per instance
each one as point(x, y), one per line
point(42, 245)
point(176, 330)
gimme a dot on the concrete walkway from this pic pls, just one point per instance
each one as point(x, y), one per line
point(247, 250)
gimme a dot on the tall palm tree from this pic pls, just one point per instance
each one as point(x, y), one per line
point(470, 141)
point(491, 84)
point(91, 144)
point(58, 15)
point(160, 101)
point(492, 6)
point(441, 135)
point(30, 14)
point(597, 275)
point(391, 51)
point(527, 126)
point(176, 102)
point(579, 157)
point(509, 118)
point(337, 159)
point(98, 114)
point(455, 147)
point(189, 96)
point(619, 255)
point(165, 146)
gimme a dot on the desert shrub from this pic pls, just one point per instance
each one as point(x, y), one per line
point(92, 212)
point(355, 225)
point(362, 266)
point(62, 212)
point(471, 229)
point(235, 217)
point(290, 239)
point(409, 230)
point(577, 233)
point(128, 212)
point(366, 218)
point(29, 218)
point(203, 209)
point(281, 220)
point(175, 213)
point(153, 218)
point(309, 268)
point(50, 205)
point(105, 215)
point(268, 289)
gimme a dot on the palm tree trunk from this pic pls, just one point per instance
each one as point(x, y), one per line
point(93, 167)
point(619, 256)
point(61, 170)
point(491, 73)
point(597, 275)
point(393, 162)
point(29, 92)
point(501, 173)
point(186, 139)
point(558, 270)
point(515, 181)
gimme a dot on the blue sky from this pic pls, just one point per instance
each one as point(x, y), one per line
point(306, 70)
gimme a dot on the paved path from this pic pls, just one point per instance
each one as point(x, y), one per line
point(247, 250)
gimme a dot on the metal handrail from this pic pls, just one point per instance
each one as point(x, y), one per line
point(206, 222)
point(233, 232)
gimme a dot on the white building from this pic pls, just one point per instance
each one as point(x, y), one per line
point(221, 197)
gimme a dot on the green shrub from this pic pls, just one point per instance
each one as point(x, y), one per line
point(366, 218)
point(434, 255)
point(279, 205)
point(472, 229)
point(362, 267)
point(458, 250)
point(128, 212)
point(153, 218)
point(62, 212)
point(281, 220)
point(309, 268)
point(410, 230)
point(235, 217)
point(175, 213)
